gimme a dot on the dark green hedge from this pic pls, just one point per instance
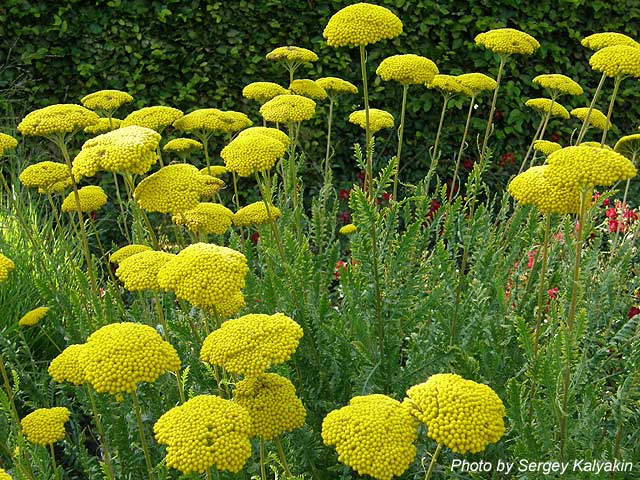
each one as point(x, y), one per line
point(190, 53)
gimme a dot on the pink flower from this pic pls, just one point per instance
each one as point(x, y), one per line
point(344, 194)
point(614, 226)
point(531, 258)
point(553, 293)
point(386, 196)
point(611, 213)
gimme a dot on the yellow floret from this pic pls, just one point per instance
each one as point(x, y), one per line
point(140, 271)
point(361, 24)
point(288, 108)
point(206, 218)
point(214, 170)
point(557, 84)
point(508, 41)
point(378, 119)
point(407, 69)
point(212, 120)
point(182, 145)
point(269, 132)
point(91, 197)
point(255, 214)
point(308, 88)
point(249, 154)
point(598, 41)
point(263, 91)
point(57, 119)
point(546, 147)
point(103, 126)
point(292, 54)
point(7, 142)
point(596, 117)
point(532, 188)
point(45, 175)
point(33, 317)
point(348, 229)
point(449, 85)
point(4, 475)
point(106, 100)
point(66, 367)
point(45, 425)
point(477, 82)
point(334, 86)
point(6, 265)
point(126, 251)
point(156, 118)
point(542, 106)
point(617, 60)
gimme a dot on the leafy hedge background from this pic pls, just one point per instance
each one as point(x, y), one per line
point(193, 54)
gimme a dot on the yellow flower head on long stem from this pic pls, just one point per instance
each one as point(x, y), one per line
point(33, 317)
point(263, 91)
point(449, 85)
point(6, 265)
point(617, 60)
point(106, 100)
point(66, 367)
point(182, 146)
point(407, 69)
point(45, 175)
point(361, 24)
point(156, 118)
point(557, 84)
point(508, 41)
point(57, 119)
point(256, 214)
point(207, 121)
point(104, 125)
point(45, 425)
point(249, 154)
point(334, 86)
point(126, 251)
point(288, 109)
point(292, 54)
point(7, 142)
point(308, 88)
point(546, 147)
point(206, 218)
point(598, 41)
point(269, 132)
point(531, 187)
point(139, 272)
point(477, 82)
point(378, 119)
point(543, 105)
point(629, 145)
point(92, 198)
point(596, 117)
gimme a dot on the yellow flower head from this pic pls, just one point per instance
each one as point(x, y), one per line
point(407, 69)
point(378, 119)
point(206, 218)
point(532, 188)
point(542, 106)
point(269, 132)
point(4, 475)
point(263, 91)
point(175, 188)
point(449, 85)
point(617, 60)
point(44, 175)
point(507, 41)
point(598, 41)
point(131, 149)
point(156, 118)
point(103, 126)
point(66, 367)
point(92, 198)
point(126, 251)
point(333, 86)
point(45, 425)
point(308, 88)
point(558, 84)
point(361, 24)
point(106, 100)
point(348, 229)
point(54, 119)
point(249, 154)
point(7, 142)
point(182, 145)
point(477, 82)
point(212, 120)
point(214, 170)
point(546, 147)
point(255, 214)
point(272, 404)
point(33, 317)
point(374, 435)
point(629, 145)
point(292, 54)
point(583, 166)
point(118, 356)
point(249, 345)
point(140, 271)
point(288, 108)
point(463, 415)
point(596, 117)
point(595, 145)
point(203, 432)
point(207, 276)
point(6, 265)
point(239, 121)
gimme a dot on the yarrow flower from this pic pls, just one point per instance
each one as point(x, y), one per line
point(348, 229)
point(288, 109)
point(256, 214)
point(463, 415)
point(7, 142)
point(543, 105)
point(378, 119)
point(598, 41)
point(449, 85)
point(374, 435)
point(477, 82)
point(6, 265)
point(140, 271)
point(203, 432)
point(334, 86)
point(66, 367)
point(307, 88)
point(182, 145)
point(156, 118)
point(92, 198)
point(292, 54)
point(118, 356)
point(531, 187)
point(207, 276)
point(33, 317)
point(263, 91)
point(249, 154)
point(214, 170)
point(57, 119)
point(206, 121)
point(269, 132)
point(508, 41)
point(106, 100)
point(4, 475)
point(629, 145)
point(595, 145)
point(546, 147)
point(126, 251)
point(206, 218)
point(104, 125)
point(47, 177)
point(361, 24)
point(45, 425)
point(407, 69)
point(617, 60)
point(249, 345)
point(558, 84)
point(272, 404)
point(596, 117)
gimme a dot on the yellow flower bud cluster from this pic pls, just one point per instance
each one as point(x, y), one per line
point(206, 218)
point(543, 105)
point(477, 82)
point(131, 149)
point(546, 147)
point(629, 145)
point(263, 91)
point(46, 176)
point(207, 276)
point(66, 367)
point(212, 120)
point(361, 24)
point(239, 121)
point(6, 265)
point(156, 118)
point(175, 188)
point(54, 119)
point(118, 356)
point(288, 108)
point(182, 145)
point(449, 85)
point(617, 60)
point(407, 69)
point(7, 142)
point(596, 117)
point(595, 145)
point(33, 317)
point(463, 415)
point(557, 83)
point(348, 229)
point(255, 214)
point(140, 271)
point(584, 166)
point(532, 188)
point(307, 88)
point(269, 132)
point(126, 251)
point(598, 41)
point(45, 425)
point(4, 475)
point(203, 432)
point(103, 126)
point(106, 100)
point(334, 85)
point(249, 345)
point(214, 170)
point(374, 435)
point(292, 54)
point(249, 154)
point(91, 197)
point(272, 404)
point(507, 41)
point(378, 119)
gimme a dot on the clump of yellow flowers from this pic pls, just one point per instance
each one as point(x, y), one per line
point(361, 24)
point(531, 187)
point(126, 251)
point(255, 214)
point(378, 119)
point(66, 367)
point(140, 271)
point(6, 265)
point(45, 425)
point(33, 317)
point(92, 198)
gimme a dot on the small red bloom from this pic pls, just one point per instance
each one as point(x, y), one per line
point(507, 159)
point(467, 164)
point(611, 213)
point(614, 226)
point(630, 215)
point(555, 137)
point(435, 205)
point(498, 115)
point(361, 175)
point(255, 237)
point(345, 217)
point(386, 196)
point(340, 265)
point(101, 291)
point(633, 311)
point(605, 202)
point(531, 258)
point(344, 194)
point(94, 215)
point(553, 293)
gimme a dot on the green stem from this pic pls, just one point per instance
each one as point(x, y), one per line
point(487, 132)
point(367, 127)
point(433, 461)
point(122, 211)
point(205, 147)
point(131, 189)
point(585, 123)
point(543, 271)
point(263, 473)
point(616, 85)
point(530, 149)
point(294, 128)
point(378, 305)
point(56, 473)
point(405, 89)
point(328, 153)
point(236, 197)
point(9, 390)
point(101, 435)
point(624, 202)
point(283, 458)
point(54, 210)
point(265, 192)
point(544, 127)
point(434, 154)
point(461, 149)
point(147, 457)
point(161, 316)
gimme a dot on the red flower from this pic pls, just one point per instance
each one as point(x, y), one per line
point(558, 237)
point(344, 194)
point(507, 159)
point(101, 290)
point(386, 196)
point(467, 164)
point(345, 217)
point(614, 226)
point(633, 311)
point(611, 213)
point(338, 268)
point(555, 137)
point(361, 175)
point(531, 258)
point(553, 293)
point(94, 215)
point(255, 237)
point(435, 205)
point(498, 115)
point(630, 215)
point(605, 202)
